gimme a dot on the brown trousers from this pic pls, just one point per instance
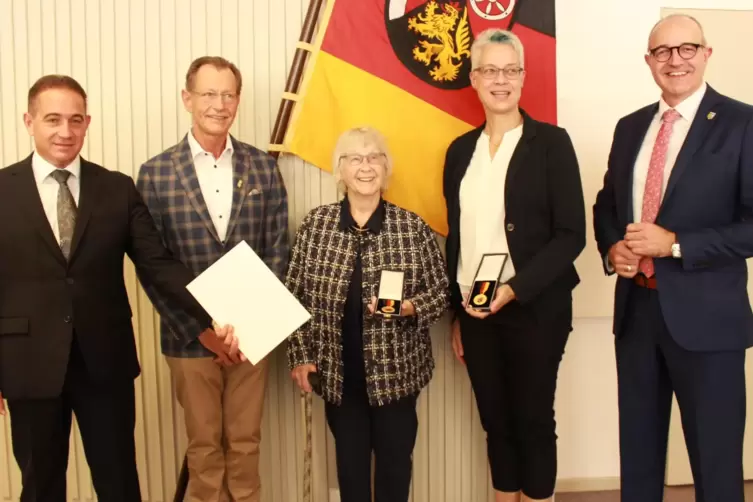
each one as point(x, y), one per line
point(223, 410)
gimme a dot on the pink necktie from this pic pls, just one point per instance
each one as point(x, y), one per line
point(652, 193)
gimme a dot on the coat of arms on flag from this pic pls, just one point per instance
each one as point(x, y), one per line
point(402, 66)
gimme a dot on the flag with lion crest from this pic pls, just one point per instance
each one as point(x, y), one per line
point(402, 66)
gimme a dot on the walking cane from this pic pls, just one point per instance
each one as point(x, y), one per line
point(182, 485)
point(307, 456)
point(308, 419)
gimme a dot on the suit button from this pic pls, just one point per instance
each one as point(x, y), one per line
point(67, 319)
point(70, 280)
point(510, 227)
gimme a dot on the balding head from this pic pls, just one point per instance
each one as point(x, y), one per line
point(674, 21)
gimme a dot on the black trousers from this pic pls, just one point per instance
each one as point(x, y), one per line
point(389, 431)
point(710, 389)
point(512, 361)
point(40, 429)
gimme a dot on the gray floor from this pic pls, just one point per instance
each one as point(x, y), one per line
point(684, 494)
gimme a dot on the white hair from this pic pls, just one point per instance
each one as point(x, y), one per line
point(495, 36)
point(353, 138)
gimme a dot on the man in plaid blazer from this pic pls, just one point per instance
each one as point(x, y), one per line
point(206, 194)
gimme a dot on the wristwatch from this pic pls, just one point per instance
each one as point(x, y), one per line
point(676, 250)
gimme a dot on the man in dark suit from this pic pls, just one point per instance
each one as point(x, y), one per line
point(66, 339)
point(673, 220)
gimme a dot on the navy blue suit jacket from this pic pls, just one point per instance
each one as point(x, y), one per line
point(709, 205)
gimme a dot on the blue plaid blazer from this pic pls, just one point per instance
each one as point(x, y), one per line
point(170, 188)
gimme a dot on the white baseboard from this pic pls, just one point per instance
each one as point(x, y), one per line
point(588, 484)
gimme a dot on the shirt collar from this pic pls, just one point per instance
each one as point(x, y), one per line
point(42, 169)
point(688, 107)
point(196, 148)
point(374, 225)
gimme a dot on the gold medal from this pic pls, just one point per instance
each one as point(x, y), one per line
point(389, 308)
point(481, 298)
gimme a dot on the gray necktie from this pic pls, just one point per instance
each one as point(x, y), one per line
point(66, 211)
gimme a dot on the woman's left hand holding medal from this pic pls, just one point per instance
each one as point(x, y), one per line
point(502, 297)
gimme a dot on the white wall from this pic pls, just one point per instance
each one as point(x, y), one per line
point(131, 56)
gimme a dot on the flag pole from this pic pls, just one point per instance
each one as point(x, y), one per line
point(289, 97)
point(292, 86)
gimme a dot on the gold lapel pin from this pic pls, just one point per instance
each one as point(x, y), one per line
point(711, 115)
point(240, 183)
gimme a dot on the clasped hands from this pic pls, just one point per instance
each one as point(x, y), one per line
point(641, 240)
point(224, 344)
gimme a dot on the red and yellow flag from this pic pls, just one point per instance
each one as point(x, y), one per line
point(402, 66)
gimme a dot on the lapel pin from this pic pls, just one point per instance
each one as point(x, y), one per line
point(240, 183)
point(711, 115)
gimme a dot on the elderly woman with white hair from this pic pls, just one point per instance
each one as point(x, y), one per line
point(512, 186)
point(370, 368)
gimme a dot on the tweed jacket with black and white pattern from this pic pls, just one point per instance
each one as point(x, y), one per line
point(397, 351)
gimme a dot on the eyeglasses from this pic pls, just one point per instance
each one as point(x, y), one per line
point(354, 159)
point(227, 97)
point(664, 53)
point(490, 72)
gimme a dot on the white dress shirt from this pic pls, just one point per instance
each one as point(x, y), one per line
point(48, 187)
point(482, 207)
point(216, 181)
point(687, 110)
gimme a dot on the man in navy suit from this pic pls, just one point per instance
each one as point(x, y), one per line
point(673, 221)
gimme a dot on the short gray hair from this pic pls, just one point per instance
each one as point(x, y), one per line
point(359, 136)
point(495, 36)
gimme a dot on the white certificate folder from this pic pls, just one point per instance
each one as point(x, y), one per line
point(239, 289)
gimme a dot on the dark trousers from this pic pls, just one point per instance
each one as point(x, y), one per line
point(512, 361)
point(710, 389)
point(389, 431)
point(40, 429)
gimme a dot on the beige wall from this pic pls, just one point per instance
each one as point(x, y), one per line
point(131, 56)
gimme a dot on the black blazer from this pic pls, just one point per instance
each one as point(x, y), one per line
point(545, 220)
point(709, 205)
point(44, 299)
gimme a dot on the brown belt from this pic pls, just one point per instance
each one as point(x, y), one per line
point(645, 282)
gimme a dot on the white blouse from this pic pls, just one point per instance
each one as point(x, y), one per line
point(482, 207)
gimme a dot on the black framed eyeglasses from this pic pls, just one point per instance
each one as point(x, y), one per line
point(686, 51)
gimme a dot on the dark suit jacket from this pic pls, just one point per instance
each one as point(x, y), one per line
point(545, 221)
point(44, 299)
point(709, 205)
